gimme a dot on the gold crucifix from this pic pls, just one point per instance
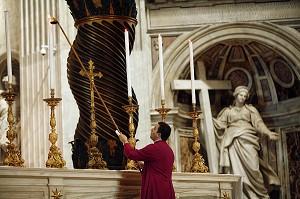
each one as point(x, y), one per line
point(95, 156)
point(91, 73)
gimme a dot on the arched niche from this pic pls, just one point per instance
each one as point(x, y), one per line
point(176, 56)
point(16, 89)
point(176, 59)
point(15, 70)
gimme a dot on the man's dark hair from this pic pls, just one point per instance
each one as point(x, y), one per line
point(164, 129)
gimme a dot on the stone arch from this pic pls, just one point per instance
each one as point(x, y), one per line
point(16, 74)
point(176, 56)
point(16, 104)
point(15, 67)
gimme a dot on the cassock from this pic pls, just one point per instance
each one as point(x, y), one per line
point(157, 171)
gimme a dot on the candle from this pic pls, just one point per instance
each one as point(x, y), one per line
point(161, 67)
point(192, 72)
point(127, 63)
point(51, 66)
point(8, 47)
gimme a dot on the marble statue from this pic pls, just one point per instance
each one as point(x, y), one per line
point(3, 121)
point(238, 129)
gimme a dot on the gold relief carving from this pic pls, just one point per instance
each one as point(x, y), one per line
point(112, 144)
point(56, 194)
point(225, 195)
point(187, 155)
point(12, 153)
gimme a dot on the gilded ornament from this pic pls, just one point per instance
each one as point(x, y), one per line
point(198, 163)
point(56, 194)
point(131, 109)
point(12, 152)
point(95, 156)
point(55, 159)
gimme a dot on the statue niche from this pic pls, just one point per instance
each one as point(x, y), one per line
point(100, 38)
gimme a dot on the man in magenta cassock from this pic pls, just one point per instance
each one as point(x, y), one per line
point(157, 163)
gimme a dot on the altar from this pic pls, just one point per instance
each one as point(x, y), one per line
point(42, 183)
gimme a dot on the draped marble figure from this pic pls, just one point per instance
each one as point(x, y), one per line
point(238, 129)
point(3, 122)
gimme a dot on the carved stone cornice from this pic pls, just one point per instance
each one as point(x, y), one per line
point(156, 4)
point(183, 18)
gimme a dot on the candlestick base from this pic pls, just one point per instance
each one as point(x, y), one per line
point(12, 152)
point(55, 159)
point(95, 160)
point(95, 156)
point(198, 163)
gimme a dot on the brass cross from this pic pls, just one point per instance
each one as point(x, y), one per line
point(91, 73)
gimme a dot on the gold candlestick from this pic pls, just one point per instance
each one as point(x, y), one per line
point(55, 159)
point(12, 152)
point(198, 164)
point(163, 111)
point(130, 109)
point(95, 156)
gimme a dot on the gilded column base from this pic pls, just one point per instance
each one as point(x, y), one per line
point(55, 159)
point(131, 164)
point(95, 160)
point(13, 156)
point(198, 164)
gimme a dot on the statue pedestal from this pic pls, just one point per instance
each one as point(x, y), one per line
point(16, 183)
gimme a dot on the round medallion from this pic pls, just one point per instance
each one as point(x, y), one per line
point(282, 73)
point(239, 77)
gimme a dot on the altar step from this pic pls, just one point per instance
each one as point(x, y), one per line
point(44, 183)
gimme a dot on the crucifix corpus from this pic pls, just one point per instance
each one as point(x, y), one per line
point(204, 85)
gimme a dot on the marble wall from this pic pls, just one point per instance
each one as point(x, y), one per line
point(274, 23)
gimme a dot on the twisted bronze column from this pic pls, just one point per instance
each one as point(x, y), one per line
point(100, 37)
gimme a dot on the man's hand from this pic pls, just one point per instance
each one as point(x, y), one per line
point(274, 136)
point(122, 138)
point(140, 164)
